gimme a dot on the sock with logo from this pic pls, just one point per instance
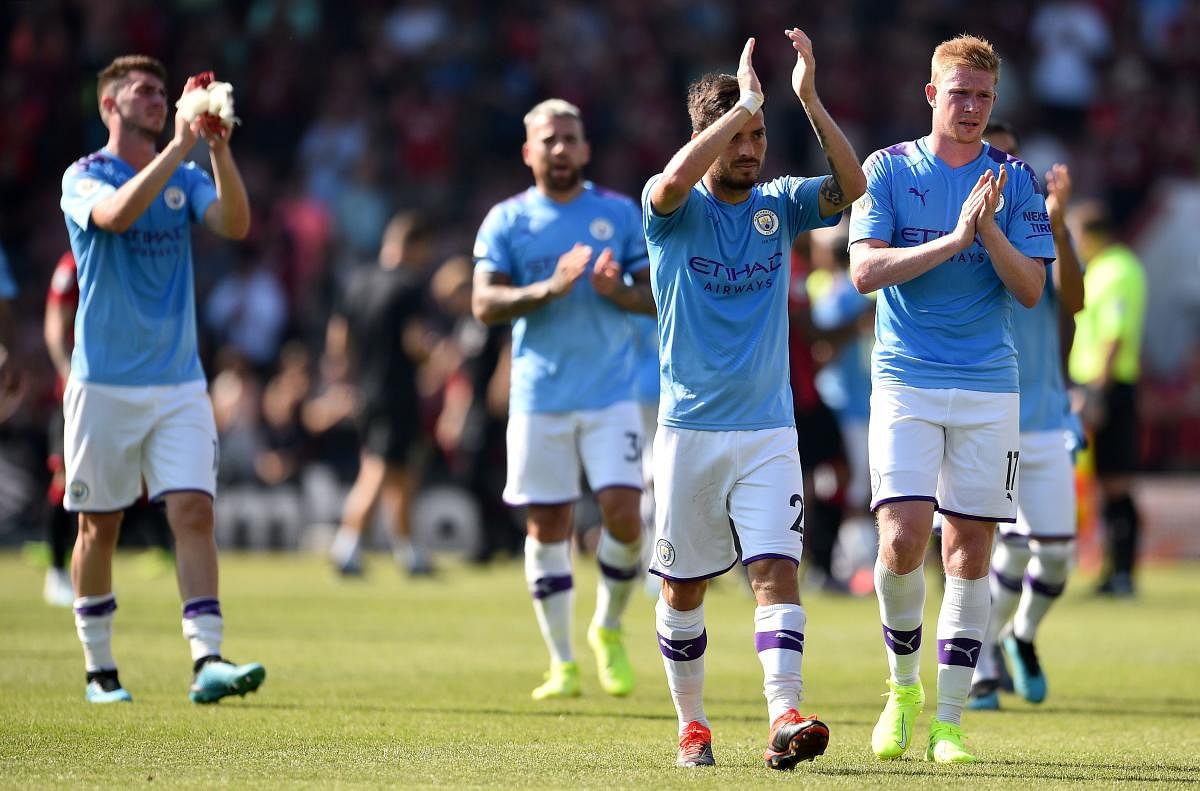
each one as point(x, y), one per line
point(203, 626)
point(548, 572)
point(901, 601)
point(93, 624)
point(960, 629)
point(620, 564)
point(682, 640)
point(1044, 583)
point(779, 640)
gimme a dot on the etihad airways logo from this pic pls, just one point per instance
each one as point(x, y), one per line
point(721, 279)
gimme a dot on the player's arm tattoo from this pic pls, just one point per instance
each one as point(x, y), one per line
point(832, 191)
point(840, 155)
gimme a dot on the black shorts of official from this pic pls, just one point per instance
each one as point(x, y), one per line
point(819, 437)
point(1116, 446)
point(391, 434)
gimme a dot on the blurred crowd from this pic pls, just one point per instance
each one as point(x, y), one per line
point(356, 110)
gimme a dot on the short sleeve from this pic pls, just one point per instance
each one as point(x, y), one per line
point(491, 244)
point(201, 192)
point(1028, 223)
point(83, 186)
point(658, 225)
point(804, 204)
point(64, 288)
point(873, 215)
point(634, 257)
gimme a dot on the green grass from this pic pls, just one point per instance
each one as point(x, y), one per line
point(392, 682)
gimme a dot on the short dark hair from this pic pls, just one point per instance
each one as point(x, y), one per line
point(120, 68)
point(998, 126)
point(710, 97)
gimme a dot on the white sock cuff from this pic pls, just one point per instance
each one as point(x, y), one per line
point(617, 555)
point(889, 582)
point(682, 623)
point(779, 616)
point(552, 559)
point(968, 594)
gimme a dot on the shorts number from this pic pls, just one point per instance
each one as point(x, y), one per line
point(1010, 477)
point(635, 447)
point(798, 525)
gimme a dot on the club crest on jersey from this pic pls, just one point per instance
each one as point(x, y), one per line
point(79, 490)
point(174, 198)
point(601, 229)
point(666, 552)
point(864, 204)
point(766, 222)
point(1000, 203)
point(85, 187)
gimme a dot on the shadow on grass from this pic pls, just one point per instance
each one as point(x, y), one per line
point(1029, 769)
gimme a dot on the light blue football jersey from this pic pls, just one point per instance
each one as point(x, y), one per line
point(845, 381)
point(8, 285)
point(575, 352)
point(1044, 402)
point(136, 321)
point(645, 339)
point(720, 274)
point(952, 326)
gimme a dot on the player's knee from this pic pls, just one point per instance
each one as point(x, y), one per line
point(1055, 554)
point(774, 581)
point(190, 512)
point(98, 531)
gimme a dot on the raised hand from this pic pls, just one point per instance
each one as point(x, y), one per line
point(1058, 193)
point(606, 274)
point(571, 266)
point(804, 81)
point(746, 76)
point(964, 230)
point(987, 214)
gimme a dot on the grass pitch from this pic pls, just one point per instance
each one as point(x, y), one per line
point(393, 682)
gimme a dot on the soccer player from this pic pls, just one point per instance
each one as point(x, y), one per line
point(951, 231)
point(726, 448)
point(1106, 363)
point(571, 398)
point(1032, 558)
point(135, 404)
point(373, 330)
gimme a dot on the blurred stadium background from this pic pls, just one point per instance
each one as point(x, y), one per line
point(355, 109)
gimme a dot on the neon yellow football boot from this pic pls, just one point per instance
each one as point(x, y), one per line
point(894, 730)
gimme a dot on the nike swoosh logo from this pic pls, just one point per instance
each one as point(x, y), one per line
point(903, 740)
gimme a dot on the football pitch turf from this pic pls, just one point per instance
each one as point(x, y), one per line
point(392, 682)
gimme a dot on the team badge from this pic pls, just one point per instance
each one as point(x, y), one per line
point(85, 187)
point(766, 222)
point(1000, 203)
point(78, 490)
point(601, 229)
point(864, 204)
point(174, 198)
point(666, 552)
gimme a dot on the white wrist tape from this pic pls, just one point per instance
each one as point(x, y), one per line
point(752, 102)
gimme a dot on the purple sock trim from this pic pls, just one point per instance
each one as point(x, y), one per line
point(618, 574)
point(206, 606)
point(548, 586)
point(683, 650)
point(961, 651)
point(788, 639)
point(1044, 588)
point(1008, 583)
point(900, 642)
point(106, 607)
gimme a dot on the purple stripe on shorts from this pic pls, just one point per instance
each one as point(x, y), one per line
point(977, 518)
point(779, 638)
point(548, 586)
point(197, 607)
point(900, 642)
point(770, 556)
point(961, 651)
point(1044, 588)
point(1008, 583)
point(106, 607)
point(618, 574)
point(683, 650)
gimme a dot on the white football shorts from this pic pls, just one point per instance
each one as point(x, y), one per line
point(116, 437)
point(958, 449)
point(1047, 505)
point(710, 483)
point(545, 451)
